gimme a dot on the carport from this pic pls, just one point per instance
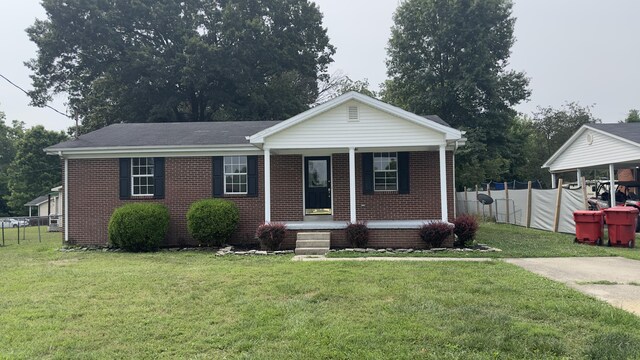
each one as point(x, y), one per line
point(598, 147)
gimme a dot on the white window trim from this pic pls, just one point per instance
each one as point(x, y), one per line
point(140, 176)
point(374, 171)
point(224, 175)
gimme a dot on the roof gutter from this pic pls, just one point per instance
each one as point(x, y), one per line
point(149, 149)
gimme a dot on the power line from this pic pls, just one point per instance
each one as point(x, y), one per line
point(24, 91)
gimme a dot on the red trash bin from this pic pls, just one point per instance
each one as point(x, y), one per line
point(589, 226)
point(621, 222)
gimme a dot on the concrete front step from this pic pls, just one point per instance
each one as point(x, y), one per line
point(314, 236)
point(313, 244)
point(311, 251)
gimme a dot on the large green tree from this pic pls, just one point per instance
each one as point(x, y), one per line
point(9, 136)
point(450, 57)
point(179, 60)
point(633, 116)
point(32, 172)
point(534, 140)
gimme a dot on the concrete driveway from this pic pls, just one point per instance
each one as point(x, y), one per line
point(587, 274)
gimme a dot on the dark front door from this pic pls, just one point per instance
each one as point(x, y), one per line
point(317, 185)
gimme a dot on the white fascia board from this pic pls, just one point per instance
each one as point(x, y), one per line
point(450, 133)
point(165, 151)
point(564, 146)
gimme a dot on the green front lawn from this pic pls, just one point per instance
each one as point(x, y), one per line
point(517, 241)
point(196, 305)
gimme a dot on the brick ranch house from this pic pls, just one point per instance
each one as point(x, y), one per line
point(352, 158)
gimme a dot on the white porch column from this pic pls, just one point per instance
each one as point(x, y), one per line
point(267, 185)
point(352, 184)
point(66, 199)
point(553, 180)
point(579, 176)
point(443, 183)
point(612, 186)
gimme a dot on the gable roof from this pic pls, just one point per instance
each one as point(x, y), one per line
point(37, 201)
point(167, 134)
point(625, 132)
point(430, 121)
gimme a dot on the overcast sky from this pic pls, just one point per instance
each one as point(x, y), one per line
point(572, 50)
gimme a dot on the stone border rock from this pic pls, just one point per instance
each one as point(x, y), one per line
point(227, 250)
point(230, 250)
point(481, 248)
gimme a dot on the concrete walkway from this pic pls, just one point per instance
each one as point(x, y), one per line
point(587, 275)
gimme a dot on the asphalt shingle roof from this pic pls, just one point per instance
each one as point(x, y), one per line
point(436, 119)
point(37, 201)
point(176, 134)
point(168, 134)
point(629, 131)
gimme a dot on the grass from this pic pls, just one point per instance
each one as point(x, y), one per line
point(29, 234)
point(598, 282)
point(517, 241)
point(97, 305)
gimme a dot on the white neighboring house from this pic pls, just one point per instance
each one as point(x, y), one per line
point(49, 205)
point(611, 147)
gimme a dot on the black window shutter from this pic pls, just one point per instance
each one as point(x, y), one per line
point(125, 178)
point(218, 174)
point(403, 172)
point(367, 173)
point(158, 178)
point(252, 176)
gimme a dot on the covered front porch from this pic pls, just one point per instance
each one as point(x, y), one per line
point(389, 187)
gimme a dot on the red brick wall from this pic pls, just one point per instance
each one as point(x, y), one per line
point(286, 188)
point(94, 194)
point(378, 238)
point(340, 175)
point(423, 201)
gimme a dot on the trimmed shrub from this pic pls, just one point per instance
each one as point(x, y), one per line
point(139, 226)
point(211, 222)
point(435, 233)
point(271, 235)
point(465, 227)
point(358, 234)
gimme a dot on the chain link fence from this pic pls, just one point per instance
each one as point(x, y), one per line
point(15, 230)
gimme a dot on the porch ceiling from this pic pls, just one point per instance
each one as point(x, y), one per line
point(345, 150)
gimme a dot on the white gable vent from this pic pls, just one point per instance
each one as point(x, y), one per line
point(353, 113)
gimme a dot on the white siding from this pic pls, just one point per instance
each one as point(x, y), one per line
point(602, 151)
point(333, 129)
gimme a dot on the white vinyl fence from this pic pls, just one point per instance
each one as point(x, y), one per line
point(550, 210)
